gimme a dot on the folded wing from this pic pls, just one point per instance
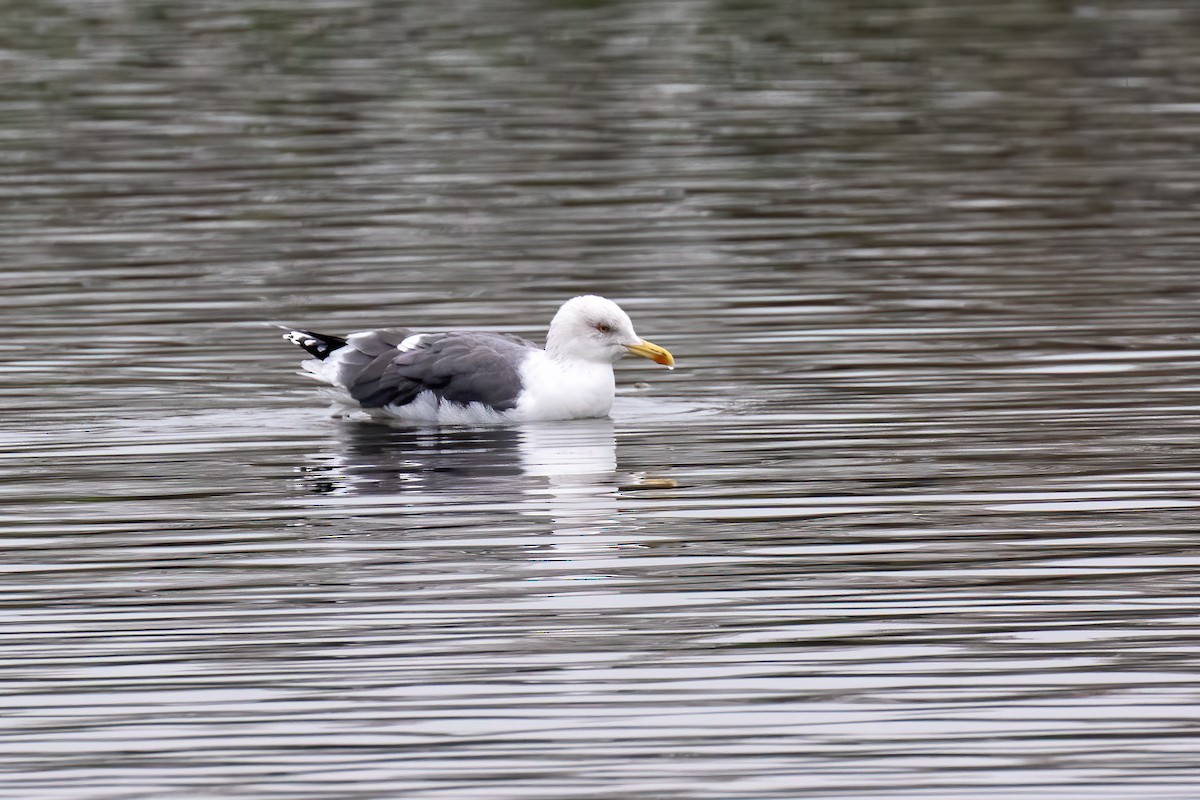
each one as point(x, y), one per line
point(379, 369)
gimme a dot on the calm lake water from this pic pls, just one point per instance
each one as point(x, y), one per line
point(916, 517)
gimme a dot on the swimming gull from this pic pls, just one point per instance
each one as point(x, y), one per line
point(476, 377)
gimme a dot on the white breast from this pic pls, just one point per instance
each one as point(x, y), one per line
point(564, 390)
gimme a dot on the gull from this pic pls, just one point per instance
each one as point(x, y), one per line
point(472, 377)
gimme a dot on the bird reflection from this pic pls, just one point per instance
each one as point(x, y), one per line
point(578, 461)
point(565, 472)
point(375, 458)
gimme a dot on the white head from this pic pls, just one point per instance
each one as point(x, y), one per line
point(591, 328)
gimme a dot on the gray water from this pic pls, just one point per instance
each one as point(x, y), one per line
point(915, 516)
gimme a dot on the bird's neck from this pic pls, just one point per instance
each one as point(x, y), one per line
point(565, 352)
point(557, 345)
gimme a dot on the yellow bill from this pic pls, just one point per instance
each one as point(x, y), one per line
point(659, 355)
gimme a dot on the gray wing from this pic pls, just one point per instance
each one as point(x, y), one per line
point(461, 367)
point(360, 356)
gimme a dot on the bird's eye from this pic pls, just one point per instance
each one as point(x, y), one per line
point(603, 327)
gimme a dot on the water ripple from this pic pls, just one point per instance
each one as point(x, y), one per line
point(914, 517)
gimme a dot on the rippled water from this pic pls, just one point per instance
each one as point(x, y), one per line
point(915, 517)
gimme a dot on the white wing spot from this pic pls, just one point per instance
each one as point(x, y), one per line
point(411, 343)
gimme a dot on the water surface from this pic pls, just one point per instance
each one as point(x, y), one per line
point(915, 517)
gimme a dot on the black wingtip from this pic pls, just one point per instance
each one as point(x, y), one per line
point(319, 345)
